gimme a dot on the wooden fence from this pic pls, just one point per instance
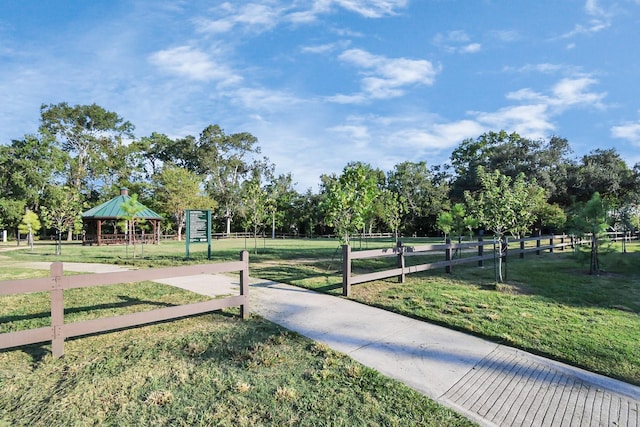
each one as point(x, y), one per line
point(57, 283)
point(449, 250)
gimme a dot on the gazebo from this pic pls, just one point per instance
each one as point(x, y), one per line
point(100, 223)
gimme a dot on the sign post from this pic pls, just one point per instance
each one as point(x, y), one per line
point(199, 229)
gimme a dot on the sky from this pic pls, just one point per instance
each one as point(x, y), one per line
point(321, 83)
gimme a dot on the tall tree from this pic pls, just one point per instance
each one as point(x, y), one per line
point(511, 154)
point(11, 212)
point(425, 190)
point(603, 172)
point(85, 132)
point(27, 167)
point(226, 161)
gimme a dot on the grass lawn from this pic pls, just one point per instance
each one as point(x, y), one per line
point(213, 369)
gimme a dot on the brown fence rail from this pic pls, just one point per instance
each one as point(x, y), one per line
point(57, 283)
point(518, 247)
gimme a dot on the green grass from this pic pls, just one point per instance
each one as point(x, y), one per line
point(214, 369)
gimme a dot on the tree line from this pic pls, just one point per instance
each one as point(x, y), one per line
point(82, 155)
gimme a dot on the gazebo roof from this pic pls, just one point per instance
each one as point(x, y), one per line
point(113, 209)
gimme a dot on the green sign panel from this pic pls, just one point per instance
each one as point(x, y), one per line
point(199, 228)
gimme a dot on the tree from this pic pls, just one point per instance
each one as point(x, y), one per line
point(131, 210)
point(29, 225)
point(445, 222)
point(425, 190)
point(603, 172)
point(225, 161)
point(27, 167)
point(348, 200)
point(178, 189)
point(282, 198)
point(511, 154)
point(394, 207)
point(254, 207)
point(11, 212)
point(593, 219)
point(500, 205)
point(85, 132)
point(63, 211)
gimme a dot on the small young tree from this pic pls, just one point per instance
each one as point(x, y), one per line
point(592, 219)
point(30, 224)
point(254, 207)
point(348, 200)
point(394, 206)
point(500, 206)
point(63, 211)
point(444, 222)
point(131, 210)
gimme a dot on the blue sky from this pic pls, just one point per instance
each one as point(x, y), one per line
point(321, 83)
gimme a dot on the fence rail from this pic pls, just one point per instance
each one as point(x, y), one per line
point(57, 283)
point(518, 247)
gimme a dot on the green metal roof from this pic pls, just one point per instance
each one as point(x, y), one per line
point(113, 209)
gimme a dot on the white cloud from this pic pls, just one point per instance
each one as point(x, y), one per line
point(471, 48)
point(437, 137)
point(545, 68)
point(255, 17)
point(532, 121)
point(265, 15)
point(569, 92)
point(629, 131)
point(325, 48)
point(456, 41)
point(600, 20)
point(566, 93)
point(192, 63)
point(386, 77)
point(373, 8)
point(265, 100)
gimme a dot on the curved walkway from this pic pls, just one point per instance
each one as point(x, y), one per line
point(489, 383)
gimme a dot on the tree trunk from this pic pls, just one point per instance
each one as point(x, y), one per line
point(70, 234)
point(228, 220)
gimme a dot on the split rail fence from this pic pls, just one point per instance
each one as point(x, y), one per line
point(509, 247)
point(56, 284)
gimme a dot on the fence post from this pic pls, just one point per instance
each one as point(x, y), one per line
point(57, 310)
point(551, 244)
point(447, 255)
point(244, 284)
point(538, 241)
point(400, 249)
point(481, 247)
point(346, 270)
point(562, 242)
point(521, 247)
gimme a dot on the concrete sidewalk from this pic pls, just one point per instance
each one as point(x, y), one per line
point(489, 383)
